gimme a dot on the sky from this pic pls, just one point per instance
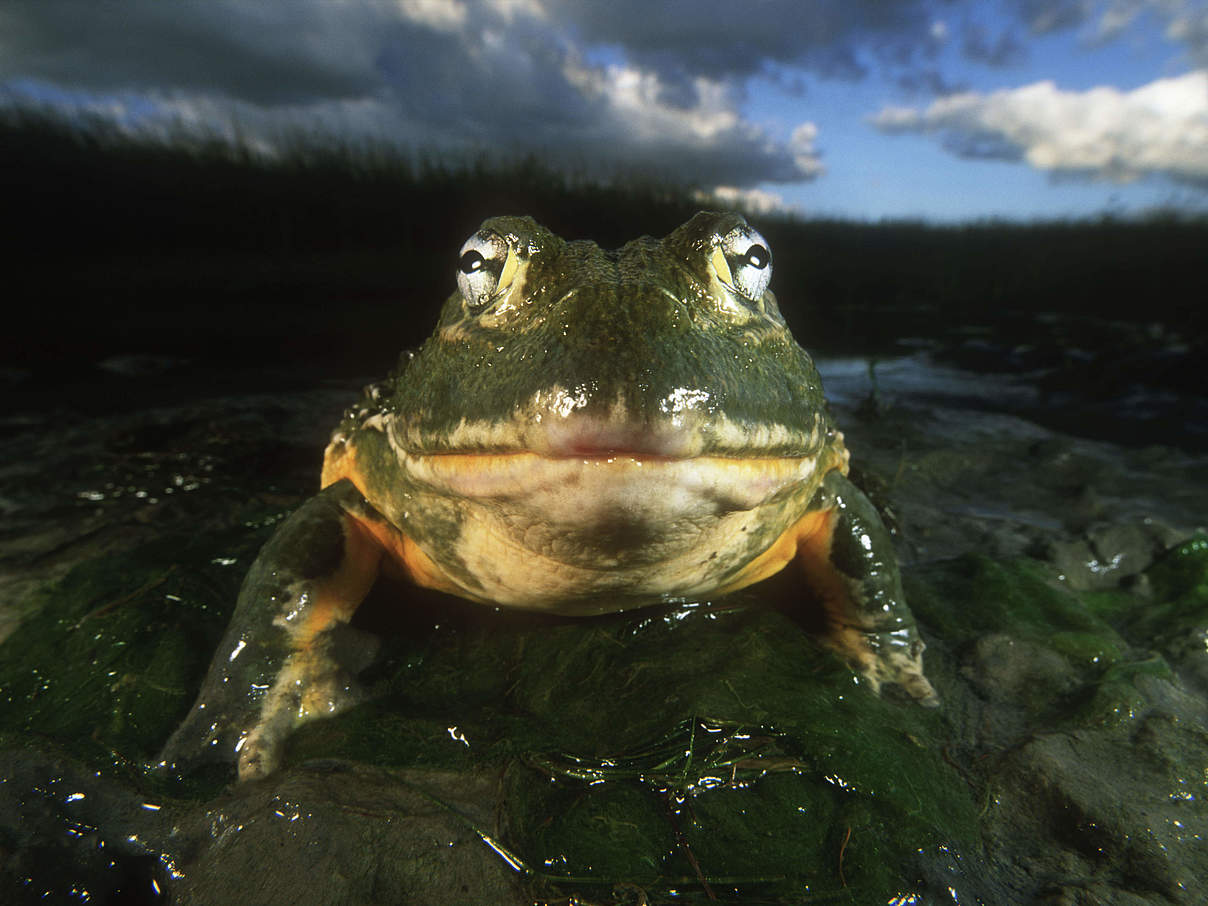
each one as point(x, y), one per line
point(946, 110)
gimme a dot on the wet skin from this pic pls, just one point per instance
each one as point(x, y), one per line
point(586, 431)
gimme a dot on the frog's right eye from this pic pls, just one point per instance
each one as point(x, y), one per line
point(484, 269)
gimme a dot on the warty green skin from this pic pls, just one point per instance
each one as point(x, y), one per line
point(644, 322)
point(593, 431)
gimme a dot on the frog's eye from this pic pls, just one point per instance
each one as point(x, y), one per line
point(485, 268)
point(743, 261)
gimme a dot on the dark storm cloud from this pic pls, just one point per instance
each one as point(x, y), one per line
point(480, 89)
point(722, 38)
point(503, 76)
point(628, 84)
point(266, 54)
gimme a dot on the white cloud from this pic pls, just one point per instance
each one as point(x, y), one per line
point(753, 201)
point(805, 155)
point(442, 15)
point(635, 97)
point(514, 9)
point(696, 136)
point(1159, 128)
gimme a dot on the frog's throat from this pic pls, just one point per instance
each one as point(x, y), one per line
point(655, 491)
point(565, 533)
point(811, 528)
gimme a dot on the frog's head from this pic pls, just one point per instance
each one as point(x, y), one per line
point(668, 348)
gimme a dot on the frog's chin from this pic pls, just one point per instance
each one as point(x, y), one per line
point(565, 533)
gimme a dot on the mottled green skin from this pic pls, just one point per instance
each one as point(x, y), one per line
point(643, 321)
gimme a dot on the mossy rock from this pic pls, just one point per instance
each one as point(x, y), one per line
point(679, 752)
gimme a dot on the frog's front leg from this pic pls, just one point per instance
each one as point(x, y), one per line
point(286, 657)
point(848, 560)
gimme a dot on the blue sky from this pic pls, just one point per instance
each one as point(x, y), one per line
point(869, 109)
point(872, 175)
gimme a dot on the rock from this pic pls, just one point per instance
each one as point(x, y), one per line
point(324, 833)
point(1006, 670)
point(1110, 553)
point(1091, 810)
point(341, 833)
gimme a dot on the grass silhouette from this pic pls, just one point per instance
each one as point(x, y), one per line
point(188, 246)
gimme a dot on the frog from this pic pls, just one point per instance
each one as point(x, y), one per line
point(586, 431)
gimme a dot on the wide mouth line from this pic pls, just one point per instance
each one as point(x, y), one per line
point(604, 455)
point(620, 483)
point(591, 438)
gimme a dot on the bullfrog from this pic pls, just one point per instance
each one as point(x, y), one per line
point(585, 432)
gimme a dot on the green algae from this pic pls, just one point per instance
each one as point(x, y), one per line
point(832, 792)
point(110, 658)
point(734, 817)
point(696, 751)
point(1183, 571)
point(1118, 697)
point(1111, 639)
point(974, 595)
point(674, 749)
point(1178, 604)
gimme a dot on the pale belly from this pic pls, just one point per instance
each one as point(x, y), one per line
point(599, 534)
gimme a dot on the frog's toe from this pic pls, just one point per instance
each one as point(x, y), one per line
point(907, 674)
point(898, 659)
point(310, 685)
point(260, 753)
point(894, 657)
point(199, 740)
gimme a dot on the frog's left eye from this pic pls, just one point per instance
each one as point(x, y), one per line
point(484, 269)
point(743, 260)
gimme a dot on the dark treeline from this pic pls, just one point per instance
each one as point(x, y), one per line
point(134, 245)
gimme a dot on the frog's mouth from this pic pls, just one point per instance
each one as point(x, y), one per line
point(622, 483)
point(587, 438)
point(649, 471)
point(555, 424)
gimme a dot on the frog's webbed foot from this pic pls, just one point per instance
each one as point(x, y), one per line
point(893, 656)
point(288, 655)
point(849, 562)
point(313, 683)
